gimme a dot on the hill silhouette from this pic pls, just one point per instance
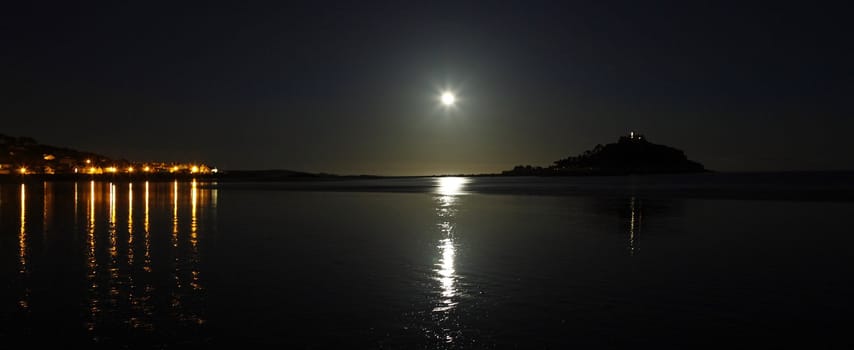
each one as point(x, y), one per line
point(631, 154)
point(26, 151)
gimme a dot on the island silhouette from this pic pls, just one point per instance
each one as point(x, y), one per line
point(631, 154)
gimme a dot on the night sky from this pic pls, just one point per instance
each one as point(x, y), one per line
point(352, 88)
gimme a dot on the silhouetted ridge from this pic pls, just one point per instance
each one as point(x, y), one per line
point(631, 154)
point(16, 152)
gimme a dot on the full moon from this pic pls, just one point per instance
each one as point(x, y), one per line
point(448, 99)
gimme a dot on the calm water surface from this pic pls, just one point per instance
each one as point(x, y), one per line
point(177, 264)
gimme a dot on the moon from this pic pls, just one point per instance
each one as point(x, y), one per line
point(448, 99)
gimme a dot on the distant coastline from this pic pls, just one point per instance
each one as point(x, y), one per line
point(293, 176)
point(25, 160)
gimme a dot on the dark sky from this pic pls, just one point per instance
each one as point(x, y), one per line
point(351, 87)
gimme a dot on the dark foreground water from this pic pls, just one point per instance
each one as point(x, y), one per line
point(428, 263)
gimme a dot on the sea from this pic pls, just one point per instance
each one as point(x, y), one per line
point(661, 261)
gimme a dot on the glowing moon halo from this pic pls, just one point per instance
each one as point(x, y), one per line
point(448, 99)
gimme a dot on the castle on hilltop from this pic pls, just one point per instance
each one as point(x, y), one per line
point(632, 137)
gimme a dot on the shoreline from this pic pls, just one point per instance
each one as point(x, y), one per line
point(289, 176)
